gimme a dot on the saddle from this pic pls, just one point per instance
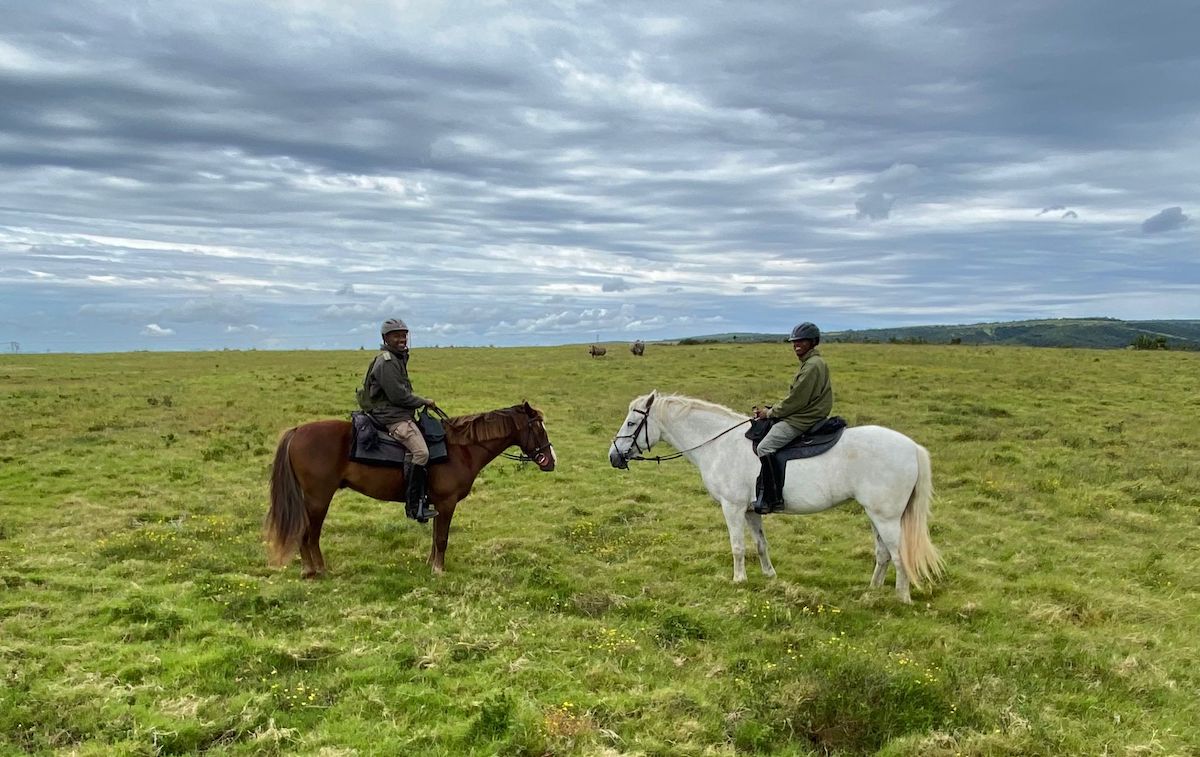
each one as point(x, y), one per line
point(818, 439)
point(371, 444)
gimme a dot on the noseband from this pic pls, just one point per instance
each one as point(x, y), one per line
point(530, 458)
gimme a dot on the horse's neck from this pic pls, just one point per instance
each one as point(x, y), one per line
point(485, 452)
point(723, 456)
point(696, 426)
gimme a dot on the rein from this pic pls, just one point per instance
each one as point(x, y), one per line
point(663, 458)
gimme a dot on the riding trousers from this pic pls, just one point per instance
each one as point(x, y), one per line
point(407, 433)
point(777, 438)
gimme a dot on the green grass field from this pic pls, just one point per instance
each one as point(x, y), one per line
point(588, 610)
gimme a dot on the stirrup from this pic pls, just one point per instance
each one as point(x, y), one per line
point(766, 508)
point(424, 511)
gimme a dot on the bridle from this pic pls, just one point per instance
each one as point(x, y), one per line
point(643, 426)
point(531, 458)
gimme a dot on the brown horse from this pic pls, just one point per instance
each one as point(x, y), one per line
point(596, 351)
point(638, 348)
point(313, 462)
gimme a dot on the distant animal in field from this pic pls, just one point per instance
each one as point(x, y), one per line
point(638, 348)
point(885, 471)
point(595, 351)
point(313, 462)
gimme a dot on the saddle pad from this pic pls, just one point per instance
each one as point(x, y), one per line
point(371, 446)
point(815, 441)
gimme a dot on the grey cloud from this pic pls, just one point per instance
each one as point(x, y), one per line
point(614, 285)
point(882, 190)
point(1167, 219)
point(388, 307)
point(221, 310)
point(1050, 209)
point(874, 205)
point(1070, 214)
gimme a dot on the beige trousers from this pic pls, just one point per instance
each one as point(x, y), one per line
point(407, 433)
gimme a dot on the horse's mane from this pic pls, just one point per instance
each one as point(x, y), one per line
point(484, 427)
point(678, 404)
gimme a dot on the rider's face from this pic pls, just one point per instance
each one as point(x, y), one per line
point(801, 347)
point(397, 340)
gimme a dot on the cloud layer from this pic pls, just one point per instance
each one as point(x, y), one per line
point(288, 174)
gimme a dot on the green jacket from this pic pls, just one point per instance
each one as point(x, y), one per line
point(386, 392)
point(810, 398)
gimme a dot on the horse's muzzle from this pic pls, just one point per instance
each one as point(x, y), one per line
point(616, 459)
point(545, 461)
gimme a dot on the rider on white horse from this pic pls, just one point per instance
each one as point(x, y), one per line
point(807, 403)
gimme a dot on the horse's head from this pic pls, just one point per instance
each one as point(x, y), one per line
point(533, 439)
point(636, 435)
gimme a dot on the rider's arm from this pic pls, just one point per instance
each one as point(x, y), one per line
point(804, 388)
point(395, 388)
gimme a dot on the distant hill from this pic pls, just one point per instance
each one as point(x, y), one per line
point(1101, 333)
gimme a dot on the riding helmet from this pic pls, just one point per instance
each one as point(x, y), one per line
point(806, 330)
point(392, 324)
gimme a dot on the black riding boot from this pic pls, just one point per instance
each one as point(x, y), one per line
point(769, 486)
point(416, 499)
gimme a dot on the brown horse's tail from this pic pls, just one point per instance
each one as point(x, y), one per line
point(287, 518)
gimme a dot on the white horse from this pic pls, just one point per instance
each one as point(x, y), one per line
point(885, 471)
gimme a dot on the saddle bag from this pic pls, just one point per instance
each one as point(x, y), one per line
point(759, 428)
point(435, 437)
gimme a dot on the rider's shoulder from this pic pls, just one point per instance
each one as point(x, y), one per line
point(385, 355)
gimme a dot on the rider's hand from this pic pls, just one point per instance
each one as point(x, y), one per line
point(431, 405)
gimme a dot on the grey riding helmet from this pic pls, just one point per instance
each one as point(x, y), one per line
point(806, 330)
point(392, 324)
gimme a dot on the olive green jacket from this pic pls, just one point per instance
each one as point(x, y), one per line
point(387, 392)
point(810, 398)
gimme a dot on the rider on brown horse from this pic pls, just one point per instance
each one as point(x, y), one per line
point(387, 396)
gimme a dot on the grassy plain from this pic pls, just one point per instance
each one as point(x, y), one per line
point(590, 611)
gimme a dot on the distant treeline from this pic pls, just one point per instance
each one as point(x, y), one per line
point(1098, 333)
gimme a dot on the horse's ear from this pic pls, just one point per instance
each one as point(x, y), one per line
point(528, 409)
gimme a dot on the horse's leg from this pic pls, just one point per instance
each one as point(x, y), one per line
point(889, 533)
point(310, 547)
point(315, 522)
point(882, 558)
point(441, 537)
point(735, 521)
point(754, 520)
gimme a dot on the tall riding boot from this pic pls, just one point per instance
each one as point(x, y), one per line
point(768, 488)
point(416, 498)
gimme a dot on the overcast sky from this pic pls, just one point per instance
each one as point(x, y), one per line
point(183, 175)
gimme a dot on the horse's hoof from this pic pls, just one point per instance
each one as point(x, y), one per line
point(769, 573)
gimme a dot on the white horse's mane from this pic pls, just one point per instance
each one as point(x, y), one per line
point(678, 404)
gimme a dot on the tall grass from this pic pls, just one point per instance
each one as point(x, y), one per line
point(591, 611)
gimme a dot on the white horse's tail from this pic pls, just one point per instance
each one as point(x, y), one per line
point(921, 559)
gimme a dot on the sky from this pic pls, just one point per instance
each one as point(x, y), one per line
point(286, 174)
